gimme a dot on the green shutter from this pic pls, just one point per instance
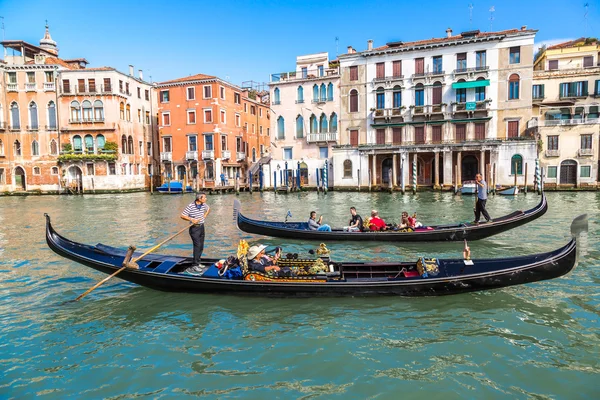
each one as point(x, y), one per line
point(542, 91)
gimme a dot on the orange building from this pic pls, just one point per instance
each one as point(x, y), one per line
point(209, 127)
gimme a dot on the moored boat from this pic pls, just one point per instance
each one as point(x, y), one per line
point(511, 191)
point(468, 187)
point(452, 232)
point(173, 187)
point(424, 277)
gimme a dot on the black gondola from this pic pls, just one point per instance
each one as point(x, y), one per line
point(427, 277)
point(438, 233)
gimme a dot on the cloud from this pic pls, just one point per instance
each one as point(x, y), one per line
point(550, 42)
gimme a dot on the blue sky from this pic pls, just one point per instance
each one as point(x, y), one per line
point(248, 40)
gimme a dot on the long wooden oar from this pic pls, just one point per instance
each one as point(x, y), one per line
point(128, 264)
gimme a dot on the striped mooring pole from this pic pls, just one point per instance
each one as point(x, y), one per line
point(325, 181)
point(538, 179)
point(414, 180)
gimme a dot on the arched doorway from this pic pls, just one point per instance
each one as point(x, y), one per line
point(468, 168)
point(180, 172)
point(568, 172)
point(74, 179)
point(386, 167)
point(424, 169)
point(303, 173)
point(20, 179)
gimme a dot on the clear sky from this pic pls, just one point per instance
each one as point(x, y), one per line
point(249, 40)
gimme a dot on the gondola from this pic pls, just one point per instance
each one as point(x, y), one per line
point(425, 277)
point(453, 232)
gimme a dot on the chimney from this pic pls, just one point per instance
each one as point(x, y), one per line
point(350, 50)
point(370, 44)
point(524, 28)
point(449, 32)
point(140, 74)
point(130, 70)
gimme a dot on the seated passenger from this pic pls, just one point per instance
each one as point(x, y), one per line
point(259, 261)
point(315, 225)
point(376, 223)
point(409, 222)
point(356, 223)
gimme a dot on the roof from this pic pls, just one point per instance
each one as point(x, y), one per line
point(197, 77)
point(582, 41)
point(77, 60)
point(55, 61)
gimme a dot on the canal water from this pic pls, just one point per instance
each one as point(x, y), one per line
point(539, 340)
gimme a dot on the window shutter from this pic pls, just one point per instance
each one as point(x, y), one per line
point(553, 64)
point(380, 70)
point(397, 135)
point(419, 66)
point(461, 132)
point(585, 88)
point(437, 95)
point(588, 61)
point(380, 138)
point(354, 138)
point(480, 131)
point(420, 134)
point(436, 133)
point(397, 66)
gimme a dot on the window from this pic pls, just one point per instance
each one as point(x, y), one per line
point(574, 89)
point(207, 92)
point(588, 61)
point(354, 73)
point(323, 152)
point(380, 136)
point(299, 127)
point(88, 113)
point(460, 132)
point(480, 60)
point(17, 148)
point(147, 94)
point(223, 117)
point(100, 142)
point(130, 145)
point(37, 171)
point(33, 116)
point(553, 65)
point(354, 100)
point(164, 96)
point(437, 65)
point(30, 77)
point(167, 144)
point(480, 92)
point(516, 164)
point(333, 124)
point(222, 92)
point(480, 131)
point(207, 115)
point(223, 142)
point(304, 72)
point(2, 178)
point(252, 110)
point(78, 144)
point(300, 95)
point(419, 134)
point(112, 168)
point(191, 116)
point(280, 128)
point(192, 143)
point(92, 85)
point(586, 142)
point(461, 62)
point(89, 143)
point(437, 93)
point(537, 91)
point(253, 129)
point(53, 148)
point(397, 69)
point(90, 168)
point(148, 117)
point(166, 119)
point(239, 145)
point(597, 88)
point(238, 120)
point(208, 142)
point(12, 77)
point(48, 76)
point(76, 111)
point(397, 135)
point(314, 125)
point(515, 55)
point(380, 97)
point(419, 66)
point(397, 97)
point(287, 153)
point(436, 133)
point(149, 148)
point(553, 142)
point(354, 138)
point(513, 87)
point(260, 130)
point(128, 112)
point(276, 98)
point(237, 99)
point(323, 124)
point(321, 70)
point(315, 93)
point(513, 129)
point(330, 92)
point(139, 92)
point(107, 85)
point(380, 70)
point(191, 93)
point(66, 86)
point(585, 171)
point(419, 95)
point(35, 148)
point(54, 171)
point(323, 92)
point(98, 110)
point(245, 107)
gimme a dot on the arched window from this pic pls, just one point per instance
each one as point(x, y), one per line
point(14, 116)
point(333, 123)
point(100, 142)
point(480, 91)
point(300, 95)
point(315, 93)
point(54, 170)
point(98, 110)
point(124, 144)
point(354, 100)
point(130, 145)
point(280, 128)
point(35, 148)
point(516, 164)
point(513, 87)
point(1, 147)
point(128, 112)
point(461, 94)
point(323, 92)
point(89, 143)
point(86, 106)
point(276, 96)
point(299, 127)
point(397, 97)
point(419, 95)
point(347, 169)
point(77, 144)
point(36, 171)
point(122, 109)
point(380, 97)
point(314, 125)
point(17, 148)
point(33, 116)
point(75, 111)
point(51, 115)
point(436, 93)
point(53, 147)
point(323, 123)
point(330, 92)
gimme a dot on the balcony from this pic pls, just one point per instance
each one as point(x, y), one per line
point(388, 112)
point(321, 137)
point(87, 121)
point(585, 152)
point(437, 73)
point(470, 106)
point(12, 87)
point(49, 87)
point(30, 87)
point(300, 101)
point(191, 155)
point(552, 153)
point(418, 110)
point(470, 72)
point(225, 154)
point(573, 121)
point(166, 156)
point(313, 73)
point(208, 154)
point(240, 155)
point(573, 95)
point(51, 127)
point(33, 128)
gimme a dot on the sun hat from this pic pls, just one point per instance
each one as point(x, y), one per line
point(254, 250)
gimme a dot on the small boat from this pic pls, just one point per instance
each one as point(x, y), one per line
point(174, 187)
point(511, 191)
point(435, 233)
point(424, 277)
point(468, 187)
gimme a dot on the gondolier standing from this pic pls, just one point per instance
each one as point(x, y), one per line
point(196, 212)
point(481, 199)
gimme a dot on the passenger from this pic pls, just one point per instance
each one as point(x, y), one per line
point(259, 261)
point(355, 223)
point(315, 225)
point(376, 223)
point(404, 221)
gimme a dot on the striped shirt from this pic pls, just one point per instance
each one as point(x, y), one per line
point(195, 211)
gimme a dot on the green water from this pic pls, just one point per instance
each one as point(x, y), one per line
point(539, 340)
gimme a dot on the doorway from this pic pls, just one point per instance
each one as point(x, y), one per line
point(75, 179)
point(303, 174)
point(20, 179)
point(468, 168)
point(568, 172)
point(180, 173)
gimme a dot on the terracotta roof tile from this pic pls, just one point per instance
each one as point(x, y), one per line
point(570, 43)
point(196, 77)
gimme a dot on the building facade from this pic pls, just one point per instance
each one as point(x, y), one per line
point(566, 90)
point(209, 127)
point(305, 121)
point(451, 107)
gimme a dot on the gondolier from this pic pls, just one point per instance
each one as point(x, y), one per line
point(481, 199)
point(196, 212)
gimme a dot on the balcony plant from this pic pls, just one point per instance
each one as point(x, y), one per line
point(378, 112)
point(67, 148)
